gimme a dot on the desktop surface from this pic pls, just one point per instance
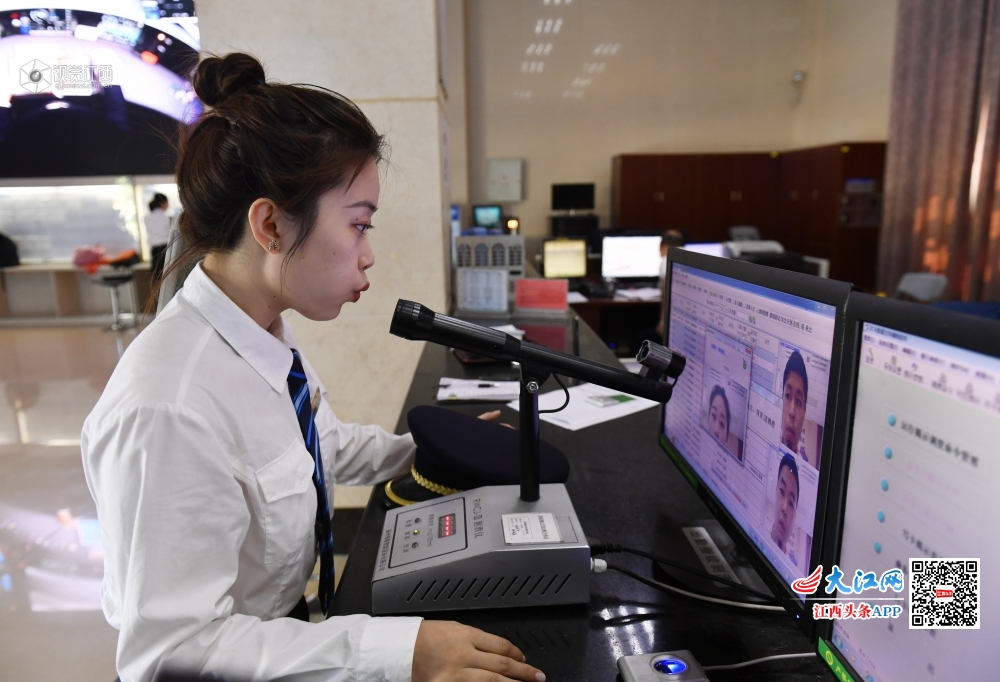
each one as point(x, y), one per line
point(624, 490)
point(921, 483)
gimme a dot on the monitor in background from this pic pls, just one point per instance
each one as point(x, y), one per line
point(578, 197)
point(750, 417)
point(631, 257)
point(717, 249)
point(921, 482)
point(487, 216)
point(564, 258)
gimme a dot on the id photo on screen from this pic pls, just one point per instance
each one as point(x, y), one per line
point(726, 390)
point(790, 507)
point(802, 379)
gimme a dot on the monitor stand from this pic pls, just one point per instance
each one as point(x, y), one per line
point(684, 543)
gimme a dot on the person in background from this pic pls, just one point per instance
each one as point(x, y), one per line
point(670, 239)
point(8, 252)
point(158, 232)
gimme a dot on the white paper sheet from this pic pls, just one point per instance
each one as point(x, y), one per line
point(648, 294)
point(477, 389)
point(575, 297)
point(581, 412)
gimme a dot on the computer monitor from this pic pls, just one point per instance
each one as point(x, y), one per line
point(717, 249)
point(919, 482)
point(630, 257)
point(750, 421)
point(579, 197)
point(487, 216)
point(564, 258)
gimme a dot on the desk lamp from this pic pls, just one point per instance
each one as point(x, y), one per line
point(500, 545)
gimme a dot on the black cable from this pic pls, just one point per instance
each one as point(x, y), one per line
point(565, 390)
point(694, 595)
point(597, 548)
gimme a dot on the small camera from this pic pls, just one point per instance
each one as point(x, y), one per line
point(659, 362)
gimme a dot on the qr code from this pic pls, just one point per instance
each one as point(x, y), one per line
point(944, 593)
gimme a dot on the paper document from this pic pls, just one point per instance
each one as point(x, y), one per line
point(575, 297)
point(477, 389)
point(648, 294)
point(589, 404)
point(510, 329)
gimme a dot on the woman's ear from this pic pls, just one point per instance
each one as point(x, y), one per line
point(269, 226)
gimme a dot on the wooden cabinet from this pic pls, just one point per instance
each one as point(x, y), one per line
point(702, 195)
point(824, 201)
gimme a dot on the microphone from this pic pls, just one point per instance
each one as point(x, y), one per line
point(416, 322)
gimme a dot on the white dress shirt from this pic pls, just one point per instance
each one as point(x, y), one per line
point(205, 496)
point(157, 227)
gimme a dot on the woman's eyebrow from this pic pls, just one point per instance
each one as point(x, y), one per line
point(364, 203)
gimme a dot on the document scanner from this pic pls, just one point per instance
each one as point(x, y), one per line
point(498, 546)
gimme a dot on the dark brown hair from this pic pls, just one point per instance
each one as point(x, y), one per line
point(260, 139)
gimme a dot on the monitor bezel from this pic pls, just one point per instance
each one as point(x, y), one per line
point(977, 334)
point(628, 235)
point(564, 239)
point(827, 291)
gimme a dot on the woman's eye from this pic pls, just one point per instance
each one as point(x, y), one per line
point(364, 227)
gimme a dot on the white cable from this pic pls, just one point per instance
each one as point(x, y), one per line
point(598, 565)
point(755, 661)
point(714, 600)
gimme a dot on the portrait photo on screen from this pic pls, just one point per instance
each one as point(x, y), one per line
point(790, 507)
point(726, 390)
point(801, 383)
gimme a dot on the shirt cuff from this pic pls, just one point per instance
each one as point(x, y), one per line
point(387, 649)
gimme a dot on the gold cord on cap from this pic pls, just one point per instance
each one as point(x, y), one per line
point(394, 497)
point(430, 485)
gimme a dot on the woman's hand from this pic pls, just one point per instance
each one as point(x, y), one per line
point(492, 417)
point(447, 651)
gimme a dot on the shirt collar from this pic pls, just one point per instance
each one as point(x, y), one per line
point(266, 353)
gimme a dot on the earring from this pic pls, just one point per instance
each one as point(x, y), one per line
point(273, 245)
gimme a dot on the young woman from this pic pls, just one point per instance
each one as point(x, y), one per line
point(210, 450)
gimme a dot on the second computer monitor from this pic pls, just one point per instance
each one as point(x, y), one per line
point(921, 431)
point(564, 258)
point(751, 414)
point(631, 257)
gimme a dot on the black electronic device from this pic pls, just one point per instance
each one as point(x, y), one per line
point(487, 215)
point(574, 197)
point(914, 479)
point(577, 227)
point(760, 342)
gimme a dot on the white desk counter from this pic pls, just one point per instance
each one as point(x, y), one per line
point(60, 289)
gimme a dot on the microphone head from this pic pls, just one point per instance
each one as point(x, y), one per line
point(411, 320)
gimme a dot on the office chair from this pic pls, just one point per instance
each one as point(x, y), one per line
point(744, 233)
point(923, 287)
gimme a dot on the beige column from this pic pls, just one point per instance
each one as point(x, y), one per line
point(382, 54)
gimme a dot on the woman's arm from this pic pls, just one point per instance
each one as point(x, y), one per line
point(174, 519)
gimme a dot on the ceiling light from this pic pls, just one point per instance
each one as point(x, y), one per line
point(548, 26)
point(593, 67)
point(539, 26)
point(548, 48)
point(572, 94)
point(581, 82)
point(558, 25)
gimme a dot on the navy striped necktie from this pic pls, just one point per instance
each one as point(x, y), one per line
point(298, 388)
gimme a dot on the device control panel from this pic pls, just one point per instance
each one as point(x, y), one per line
point(429, 531)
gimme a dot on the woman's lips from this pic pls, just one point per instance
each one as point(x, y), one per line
point(357, 292)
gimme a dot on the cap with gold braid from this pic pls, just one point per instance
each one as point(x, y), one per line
point(457, 452)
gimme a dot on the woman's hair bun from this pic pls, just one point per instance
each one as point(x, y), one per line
point(219, 78)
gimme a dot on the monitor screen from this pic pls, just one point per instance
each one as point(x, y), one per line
point(565, 258)
point(623, 257)
point(573, 197)
point(921, 484)
point(487, 216)
point(748, 413)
